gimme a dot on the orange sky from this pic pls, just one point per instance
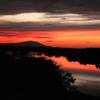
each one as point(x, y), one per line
point(60, 38)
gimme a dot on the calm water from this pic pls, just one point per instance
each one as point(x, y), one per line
point(87, 76)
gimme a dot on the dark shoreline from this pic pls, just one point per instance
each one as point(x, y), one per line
point(21, 78)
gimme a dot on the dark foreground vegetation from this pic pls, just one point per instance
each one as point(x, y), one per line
point(84, 56)
point(32, 79)
point(35, 78)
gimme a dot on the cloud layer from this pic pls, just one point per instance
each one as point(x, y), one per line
point(36, 21)
point(45, 15)
point(52, 6)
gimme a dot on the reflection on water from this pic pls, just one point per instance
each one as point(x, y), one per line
point(87, 76)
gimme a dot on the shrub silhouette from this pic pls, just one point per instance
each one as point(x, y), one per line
point(34, 78)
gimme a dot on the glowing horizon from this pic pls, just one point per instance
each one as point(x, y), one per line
point(61, 38)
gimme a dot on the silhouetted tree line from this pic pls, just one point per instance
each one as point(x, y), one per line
point(84, 56)
point(34, 78)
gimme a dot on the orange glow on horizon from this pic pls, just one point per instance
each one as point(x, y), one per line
point(60, 38)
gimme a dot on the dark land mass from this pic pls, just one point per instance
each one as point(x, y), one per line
point(84, 56)
point(29, 78)
point(22, 44)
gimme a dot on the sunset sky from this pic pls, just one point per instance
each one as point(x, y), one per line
point(61, 23)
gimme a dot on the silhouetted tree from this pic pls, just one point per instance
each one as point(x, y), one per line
point(68, 81)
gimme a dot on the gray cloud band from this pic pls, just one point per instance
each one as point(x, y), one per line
point(51, 6)
point(28, 26)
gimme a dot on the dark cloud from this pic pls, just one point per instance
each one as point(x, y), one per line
point(43, 37)
point(19, 6)
point(50, 41)
point(28, 26)
point(3, 34)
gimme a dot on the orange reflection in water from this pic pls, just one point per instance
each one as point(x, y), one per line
point(75, 65)
point(69, 65)
point(87, 76)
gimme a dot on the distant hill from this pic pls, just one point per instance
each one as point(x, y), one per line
point(24, 44)
point(30, 43)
